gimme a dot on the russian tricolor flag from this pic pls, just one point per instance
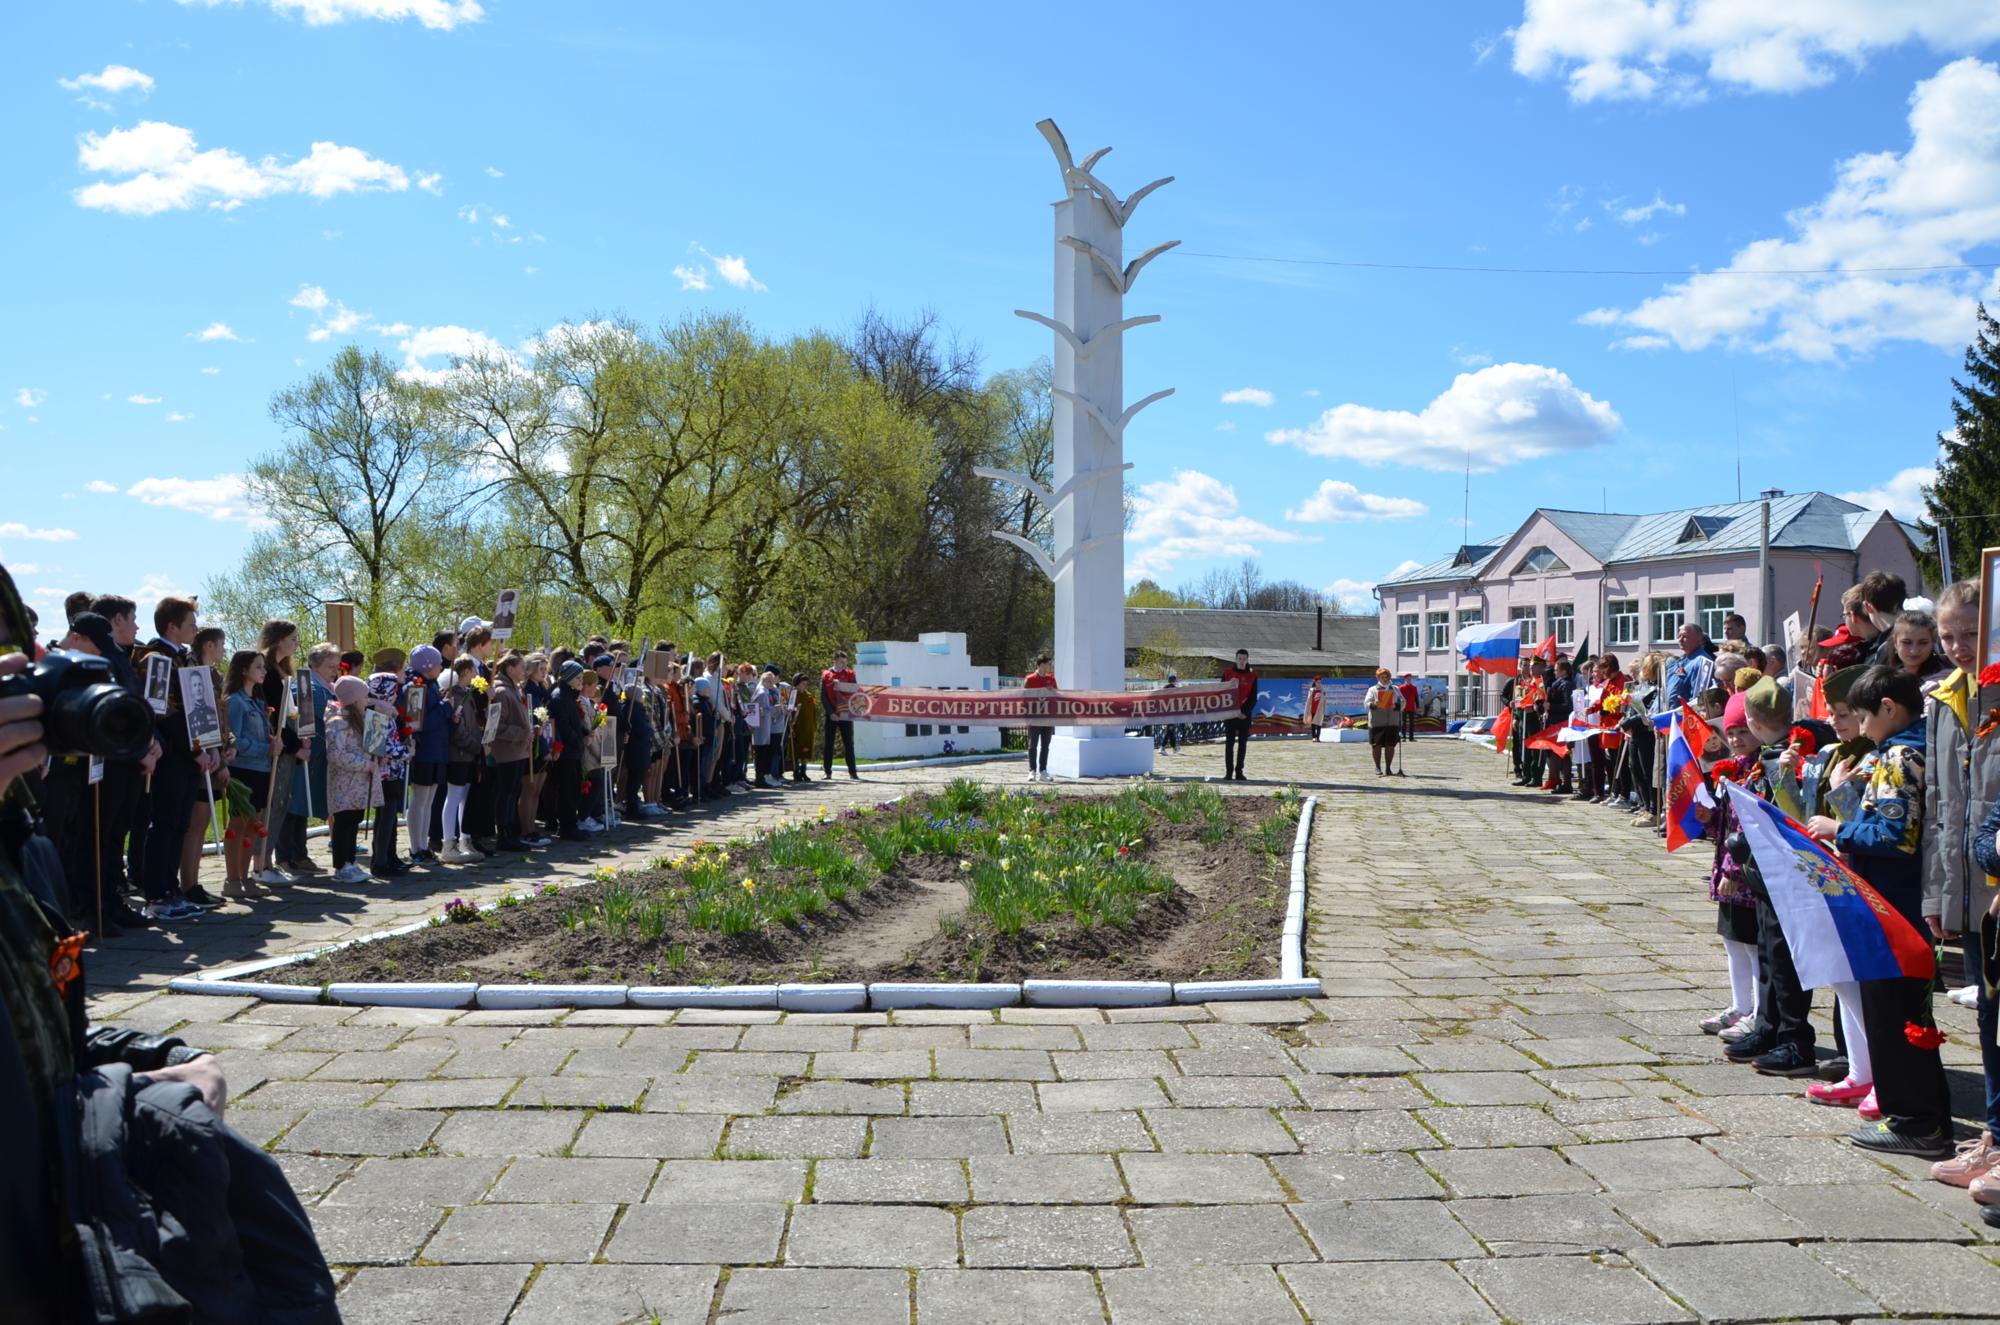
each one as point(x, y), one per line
point(1687, 737)
point(1492, 648)
point(1838, 927)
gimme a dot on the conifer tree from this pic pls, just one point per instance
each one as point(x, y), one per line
point(1966, 497)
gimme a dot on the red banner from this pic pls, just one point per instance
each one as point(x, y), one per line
point(1046, 707)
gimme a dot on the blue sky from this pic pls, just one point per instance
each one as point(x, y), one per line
point(210, 197)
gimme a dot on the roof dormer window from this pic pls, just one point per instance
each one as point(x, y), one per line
point(1701, 528)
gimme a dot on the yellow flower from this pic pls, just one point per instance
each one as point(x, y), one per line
point(822, 811)
point(1006, 864)
point(749, 885)
point(964, 866)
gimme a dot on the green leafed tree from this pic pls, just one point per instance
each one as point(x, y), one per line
point(1965, 499)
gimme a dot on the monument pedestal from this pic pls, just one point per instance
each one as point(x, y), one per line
point(1119, 756)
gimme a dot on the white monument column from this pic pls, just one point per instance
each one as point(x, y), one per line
point(1087, 502)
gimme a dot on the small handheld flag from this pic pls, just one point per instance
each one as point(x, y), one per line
point(1503, 726)
point(1838, 927)
point(1546, 650)
point(1686, 739)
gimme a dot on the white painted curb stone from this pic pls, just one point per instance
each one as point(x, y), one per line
point(516, 997)
point(412, 995)
point(733, 997)
point(1096, 993)
point(823, 998)
point(942, 994)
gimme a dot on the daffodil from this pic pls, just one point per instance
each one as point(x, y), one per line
point(964, 867)
point(749, 885)
point(1006, 864)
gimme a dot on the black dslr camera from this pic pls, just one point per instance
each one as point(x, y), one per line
point(84, 711)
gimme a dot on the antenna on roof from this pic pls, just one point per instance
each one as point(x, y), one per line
point(1736, 425)
point(1465, 515)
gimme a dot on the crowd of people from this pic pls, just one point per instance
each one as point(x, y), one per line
point(1877, 744)
point(454, 751)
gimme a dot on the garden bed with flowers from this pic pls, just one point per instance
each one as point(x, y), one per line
point(972, 883)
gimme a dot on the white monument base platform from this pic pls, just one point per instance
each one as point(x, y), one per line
point(1100, 757)
point(1343, 736)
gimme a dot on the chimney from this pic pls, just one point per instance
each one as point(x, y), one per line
point(1771, 494)
point(1319, 627)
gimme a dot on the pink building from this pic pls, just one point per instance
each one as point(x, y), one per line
point(1627, 582)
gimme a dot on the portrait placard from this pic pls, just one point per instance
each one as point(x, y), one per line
point(159, 681)
point(655, 663)
point(302, 702)
point(204, 718)
point(1989, 608)
point(503, 614)
point(340, 626)
point(375, 731)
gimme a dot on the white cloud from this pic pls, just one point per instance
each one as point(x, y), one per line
point(225, 497)
point(331, 316)
point(1902, 496)
point(1225, 427)
point(175, 416)
point(139, 398)
point(1404, 567)
point(469, 214)
point(496, 172)
point(692, 278)
point(500, 220)
point(1338, 501)
point(1351, 594)
point(1937, 203)
point(12, 529)
point(431, 183)
point(1192, 515)
point(439, 14)
point(28, 397)
point(99, 485)
point(165, 172)
point(1310, 393)
point(210, 372)
point(1499, 415)
point(1249, 395)
point(445, 344)
point(115, 78)
point(19, 568)
point(216, 331)
point(392, 329)
point(730, 268)
point(1659, 206)
point(1676, 50)
point(1470, 358)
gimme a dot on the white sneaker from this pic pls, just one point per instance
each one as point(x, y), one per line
point(590, 826)
point(275, 875)
point(458, 854)
point(1967, 997)
point(350, 873)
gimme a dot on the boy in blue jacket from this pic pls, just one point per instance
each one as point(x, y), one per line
point(1883, 844)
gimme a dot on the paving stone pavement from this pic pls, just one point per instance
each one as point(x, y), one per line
point(1500, 1109)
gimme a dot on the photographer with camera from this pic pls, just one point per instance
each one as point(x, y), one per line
point(121, 821)
point(114, 1210)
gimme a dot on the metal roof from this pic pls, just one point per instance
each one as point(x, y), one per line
point(1800, 521)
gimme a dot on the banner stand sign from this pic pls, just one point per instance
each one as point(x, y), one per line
point(1045, 708)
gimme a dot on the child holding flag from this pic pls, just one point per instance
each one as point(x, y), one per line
point(1883, 844)
point(1736, 905)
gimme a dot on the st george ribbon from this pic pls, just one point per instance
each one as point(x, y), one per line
point(1086, 503)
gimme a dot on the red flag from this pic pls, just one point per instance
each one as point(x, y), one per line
point(1820, 708)
point(1546, 650)
point(1545, 739)
point(1503, 726)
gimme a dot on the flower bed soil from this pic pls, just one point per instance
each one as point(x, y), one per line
point(1221, 920)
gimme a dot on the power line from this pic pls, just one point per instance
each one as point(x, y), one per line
point(1585, 271)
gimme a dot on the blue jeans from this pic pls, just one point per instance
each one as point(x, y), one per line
point(1989, 1019)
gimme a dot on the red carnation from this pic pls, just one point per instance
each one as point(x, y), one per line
point(1991, 676)
point(1923, 1037)
point(585, 788)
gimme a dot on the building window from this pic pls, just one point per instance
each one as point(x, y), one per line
point(1440, 629)
point(909, 729)
point(1526, 614)
point(1621, 621)
point(1669, 615)
point(1541, 561)
point(1471, 616)
point(1562, 623)
point(1471, 701)
point(1406, 632)
point(1714, 607)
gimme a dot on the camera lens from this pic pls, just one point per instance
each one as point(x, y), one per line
point(108, 721)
